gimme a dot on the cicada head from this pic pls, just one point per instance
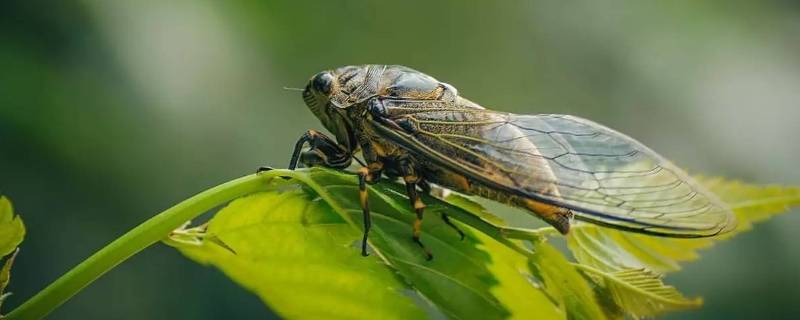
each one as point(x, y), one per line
point(318, 96)
point(329, 95)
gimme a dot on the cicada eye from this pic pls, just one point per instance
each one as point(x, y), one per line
point(323, 82)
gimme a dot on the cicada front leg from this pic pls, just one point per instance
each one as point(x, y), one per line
point(324, 151)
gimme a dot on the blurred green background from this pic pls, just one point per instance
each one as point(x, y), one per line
point(111, 111)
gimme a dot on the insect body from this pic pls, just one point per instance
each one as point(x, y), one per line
point(407, 124)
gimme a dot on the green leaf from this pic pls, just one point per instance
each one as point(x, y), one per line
point(608, 255)
point(5, 278)
point(12, 231)
point(563, 282)
point(752, 203)
point(640, 292)
point(300, 238)
point(296, 258)
point(612, 250)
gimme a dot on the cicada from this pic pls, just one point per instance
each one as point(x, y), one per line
point(406, 124)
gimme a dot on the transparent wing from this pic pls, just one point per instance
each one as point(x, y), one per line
point(603, 176)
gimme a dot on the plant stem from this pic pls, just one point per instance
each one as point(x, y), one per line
point(144, 235)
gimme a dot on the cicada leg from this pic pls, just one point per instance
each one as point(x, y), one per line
point(426, 188)
point(447, 221)
point(369, 174)
point(324, 152)
point(411, 181)
point(363, 197)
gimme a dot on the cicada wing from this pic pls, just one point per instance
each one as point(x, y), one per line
point(603, 176)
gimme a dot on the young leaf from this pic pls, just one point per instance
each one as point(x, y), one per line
point(300, 238)
point(12, 230)
point(612, 250)
point(5, 278)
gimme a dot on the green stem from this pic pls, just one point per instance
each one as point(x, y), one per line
point(144, 235)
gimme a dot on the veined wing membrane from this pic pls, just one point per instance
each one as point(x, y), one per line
point(603, 176)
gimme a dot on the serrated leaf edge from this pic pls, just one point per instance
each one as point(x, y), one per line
point(644, 282)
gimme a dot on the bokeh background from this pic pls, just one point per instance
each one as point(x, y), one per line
point(111, 111)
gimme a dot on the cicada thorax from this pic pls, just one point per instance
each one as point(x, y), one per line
point(387, 87)
point(357, 84)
